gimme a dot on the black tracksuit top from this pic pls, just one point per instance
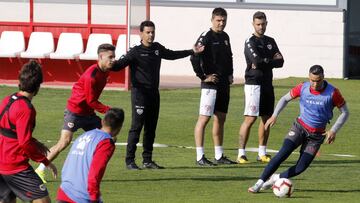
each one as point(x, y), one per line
point(145, 63)
point(260, 52)
point(215, 59)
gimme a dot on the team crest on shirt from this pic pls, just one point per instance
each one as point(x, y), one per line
point(226, 43)
point(291, 133)
point(269, 46)
point(157, 52)
point(42, 187)
point(70, 124)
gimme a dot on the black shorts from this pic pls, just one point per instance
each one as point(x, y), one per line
point(267, 101)
point(73, 122)
point(26, 185)
point(310, 142)
point(222, 99)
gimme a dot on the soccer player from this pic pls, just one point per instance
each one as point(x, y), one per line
point(86, 162)
point(17, 146)
point(317, 101)
point(262, 55)
point(214, 66)
point(144, 61)
point(83, 102)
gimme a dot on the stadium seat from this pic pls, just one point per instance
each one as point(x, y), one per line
point(11, 43)
point(70, 46)
point(41, 44)
point(134, 40)
point(93, 43)
point(121, 44)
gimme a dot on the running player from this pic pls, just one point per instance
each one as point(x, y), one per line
point(83, 102)
point(317, 101)
point(262, 55)
point(214, 67)
point(17, 146)
point(86, 162)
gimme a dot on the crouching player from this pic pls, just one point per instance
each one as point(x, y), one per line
point(86, 162)
point(317, 101)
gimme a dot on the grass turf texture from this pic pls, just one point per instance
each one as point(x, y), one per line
point(329, 178)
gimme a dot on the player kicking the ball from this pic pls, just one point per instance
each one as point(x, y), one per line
point(317, 101)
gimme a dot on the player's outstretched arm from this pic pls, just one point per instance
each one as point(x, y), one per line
point(279, 107)
point(340, 121)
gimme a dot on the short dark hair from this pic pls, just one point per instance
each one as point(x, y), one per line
point(30, 77)
point(259, 15)
point(114, 118)
point(146, 23)
point(219, 12)
point(105, 47)
point(316, 70)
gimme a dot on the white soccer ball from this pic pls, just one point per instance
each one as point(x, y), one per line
point(283, 187)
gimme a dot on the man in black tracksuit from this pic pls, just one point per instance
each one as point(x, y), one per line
point(144, 61)
point(214, 66)
point(262, 55)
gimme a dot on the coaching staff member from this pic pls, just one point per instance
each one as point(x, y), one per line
point(17, 146)
point(214, 66)
point(262, 55)
point(144, 61)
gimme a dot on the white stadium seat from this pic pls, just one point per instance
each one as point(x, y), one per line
point(93, 43)
point(70, 46)
point(121, 44)
point(11, 43)
point(41, 44)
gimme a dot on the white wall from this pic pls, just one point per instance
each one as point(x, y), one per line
point(304, 37)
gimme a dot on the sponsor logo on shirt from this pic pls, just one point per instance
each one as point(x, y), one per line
point(144, 54)
point(70, 124)
point(314, 102)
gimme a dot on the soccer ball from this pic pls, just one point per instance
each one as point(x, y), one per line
point(283, 187)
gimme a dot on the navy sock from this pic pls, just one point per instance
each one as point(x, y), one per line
point(302, 164)
point(285, 151)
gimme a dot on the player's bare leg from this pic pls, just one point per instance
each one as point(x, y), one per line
point(199, 140)
point(218, 138)
point(244, 133)
point(64, 141)
point(263, 139)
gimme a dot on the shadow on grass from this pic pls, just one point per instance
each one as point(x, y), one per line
point(328, 191)
point(205, 178)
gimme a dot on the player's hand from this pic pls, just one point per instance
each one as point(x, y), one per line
point(270, 122)
point(278, 56)
point(212, 78)
point(330, 137)
point(198, 49)
point(53, 169)
point(231, 79)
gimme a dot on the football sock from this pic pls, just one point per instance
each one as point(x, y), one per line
point(41, 167)
point(287, 148)
point(199, 153)
point(241, 152)
point(262, 150)
point(219, 151)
